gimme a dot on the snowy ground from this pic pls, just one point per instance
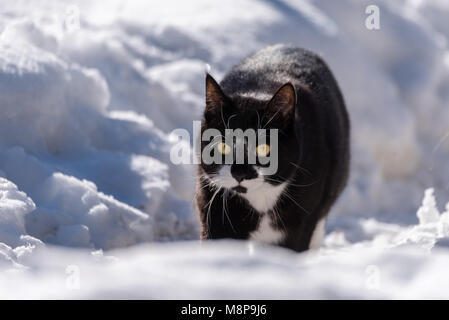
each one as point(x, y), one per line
point(91, 206)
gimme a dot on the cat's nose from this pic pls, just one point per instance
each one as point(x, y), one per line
point(241, 172)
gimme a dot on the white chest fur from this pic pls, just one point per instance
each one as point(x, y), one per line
point(263, 197)
point(266, 232)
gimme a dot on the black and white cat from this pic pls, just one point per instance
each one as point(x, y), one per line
point(291, 90)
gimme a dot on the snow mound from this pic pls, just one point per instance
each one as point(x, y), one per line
point(14, 206)
point(428, 212)
point(98, 177)
point(82, 216)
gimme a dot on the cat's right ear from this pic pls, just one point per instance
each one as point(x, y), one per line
point(215, 98)
point(281, 108)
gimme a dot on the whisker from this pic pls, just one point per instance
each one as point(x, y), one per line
point(266, 124)
point(232, 116)
point(250, 213)
point(210, 183)
point(258, 119)
point(210, 205)
point(222, 118)
point(294, 201)
point(278, 215)
point(289, 182)
point(300, 168)
point(225, 210)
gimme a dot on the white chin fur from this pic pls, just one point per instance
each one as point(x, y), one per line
point(261, 195)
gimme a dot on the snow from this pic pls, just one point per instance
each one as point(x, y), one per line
point(428, 213)
point(92, 207)
point(14, 205)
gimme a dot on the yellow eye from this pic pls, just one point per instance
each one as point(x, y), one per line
point(223, 148)
point(263, 150)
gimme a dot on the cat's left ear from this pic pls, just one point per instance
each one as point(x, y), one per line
point(215, 98)
point(281, 108)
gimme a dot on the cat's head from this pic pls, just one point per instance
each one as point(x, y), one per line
point(258, 159)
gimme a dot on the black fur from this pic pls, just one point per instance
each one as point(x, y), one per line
point(313, 143)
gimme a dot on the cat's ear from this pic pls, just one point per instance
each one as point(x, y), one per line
point(215, 98)
point(281, 108)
